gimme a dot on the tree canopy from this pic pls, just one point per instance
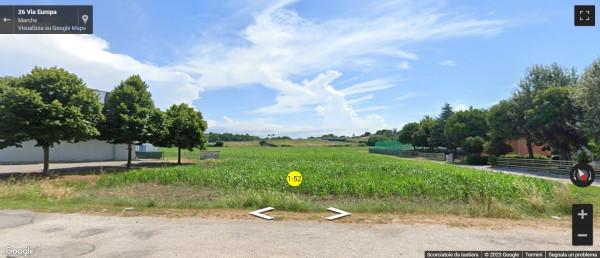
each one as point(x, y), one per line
point(215, 137)
point(587, 97)
point(406, 133)
point(185, 128)
point(437, 134)
point(501, 120)
point(556, 118)
point(423, 136)
point(128, 111)
point(49, 106)
point(467, 123)
point(537, 78)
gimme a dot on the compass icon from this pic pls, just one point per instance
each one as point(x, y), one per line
point(582, 175)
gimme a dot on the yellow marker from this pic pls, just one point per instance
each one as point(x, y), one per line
point(294, 178)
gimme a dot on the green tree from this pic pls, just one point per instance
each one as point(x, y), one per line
point(406, 133)
point(128, 111)
point(386, 132)
point(423, 136)
point(463, 124)
point(437, 135)
point(587, 97)
point(185, 128)
point(501, 120)
point(374, 138)
point(537, 78)
point(473, 145)
point(215, 137)
point(557, 118)
point(20, 106)
point(49, 106)
point(496, 147)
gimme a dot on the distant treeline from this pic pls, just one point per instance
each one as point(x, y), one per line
point(229, 137)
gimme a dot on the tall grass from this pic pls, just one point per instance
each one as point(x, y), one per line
point(348, 178)
point(344, 172)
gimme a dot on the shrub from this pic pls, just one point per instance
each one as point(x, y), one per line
point(594, 147)
point(496, 147)
point(521, 157)
point(493, 160)
point(583, 156)
point(264, 143)
point(473, 145)
point(219, 144)
point(378, 138)
point(476, 159)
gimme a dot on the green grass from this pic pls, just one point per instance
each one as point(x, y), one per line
point(343, 172)
point(348, 178)
point(296, 143)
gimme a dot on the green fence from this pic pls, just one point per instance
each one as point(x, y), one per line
point(432, 156)
point(545, 165)
point(393, 145)
point(149, 154)
point(408, 153)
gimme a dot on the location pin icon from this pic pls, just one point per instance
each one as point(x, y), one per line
point(84, 18)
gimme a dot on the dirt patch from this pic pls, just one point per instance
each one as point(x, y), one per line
point(55, 191)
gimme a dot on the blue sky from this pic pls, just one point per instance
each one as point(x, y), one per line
point(305, 68)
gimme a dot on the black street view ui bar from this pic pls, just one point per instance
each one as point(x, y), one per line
point(46, 19)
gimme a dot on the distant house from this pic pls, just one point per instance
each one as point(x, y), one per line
point(520, 148)
point(92, 150)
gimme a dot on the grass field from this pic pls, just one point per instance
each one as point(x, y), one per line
point(296, 143)
point(348, 178)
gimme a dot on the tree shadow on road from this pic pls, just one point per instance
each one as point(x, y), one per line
point(89, 170)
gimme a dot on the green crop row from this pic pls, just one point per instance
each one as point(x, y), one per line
point(344, 172)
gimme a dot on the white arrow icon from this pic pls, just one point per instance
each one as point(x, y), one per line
point(258, 213)
point(337, 216)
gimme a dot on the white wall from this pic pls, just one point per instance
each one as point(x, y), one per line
point(93, 150)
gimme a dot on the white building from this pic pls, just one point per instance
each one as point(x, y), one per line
point(93, 150)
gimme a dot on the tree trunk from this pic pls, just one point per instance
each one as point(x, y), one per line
point(414, 148)
point(529, 147)
point(46, 149)
point(179, 155)
point(129, 155)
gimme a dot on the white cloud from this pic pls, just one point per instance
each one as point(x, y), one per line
point(407, 96)
point(368, 86)
point(448, 63)
point(89, 57)
point(372, 108)
point(404, 65)
point(396, 53)
point(282, 44)
point(360, 99)
point(278, 45)
point(264, 126)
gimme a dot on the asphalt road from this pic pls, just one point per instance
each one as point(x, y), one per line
point(77, 167)
point(77, 235)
